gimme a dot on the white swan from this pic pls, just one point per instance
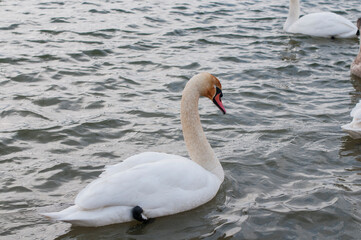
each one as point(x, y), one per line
point(356, 64)
point(323, 24)
point(150, 184)
point(354, 128)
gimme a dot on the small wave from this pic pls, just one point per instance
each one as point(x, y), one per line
point(10, 27)
point(16, 189)
point(59, 20)
point(27, 78)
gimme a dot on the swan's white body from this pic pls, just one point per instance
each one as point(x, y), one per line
point(161, 184)
point(323, 24)
point(354, 128)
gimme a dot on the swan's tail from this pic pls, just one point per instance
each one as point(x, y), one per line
point(93, 217)
point(62, 214)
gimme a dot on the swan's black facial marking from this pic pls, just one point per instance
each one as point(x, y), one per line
point(217, 100)
point(137, 214)
point(358, 32)
point(219, 91)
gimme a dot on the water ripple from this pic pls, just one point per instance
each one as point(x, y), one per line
point(87, 84)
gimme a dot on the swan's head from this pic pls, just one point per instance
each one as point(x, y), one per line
point(358, 26)
point(212, 89)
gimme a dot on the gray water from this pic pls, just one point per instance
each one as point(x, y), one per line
point(87, 84)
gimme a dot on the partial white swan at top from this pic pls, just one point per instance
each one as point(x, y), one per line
point(323, 24)
point(356, 64)
point(150, 184)
point(354, 127)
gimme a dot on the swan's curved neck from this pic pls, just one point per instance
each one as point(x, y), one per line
point(293, 14)
point(198, 147)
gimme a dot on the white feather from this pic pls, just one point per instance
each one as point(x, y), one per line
point(162, 184)
point(354, 127)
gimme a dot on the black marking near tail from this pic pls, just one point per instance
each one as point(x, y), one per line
point(137, 214)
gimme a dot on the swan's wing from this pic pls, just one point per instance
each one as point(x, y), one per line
point(324, 24)
point(141, 158)
point(161, 188)
point(354, 127)
point(353, 132)
point(356, 111)
point(356, 114)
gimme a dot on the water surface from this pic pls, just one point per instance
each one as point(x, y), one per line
point(87, 84)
